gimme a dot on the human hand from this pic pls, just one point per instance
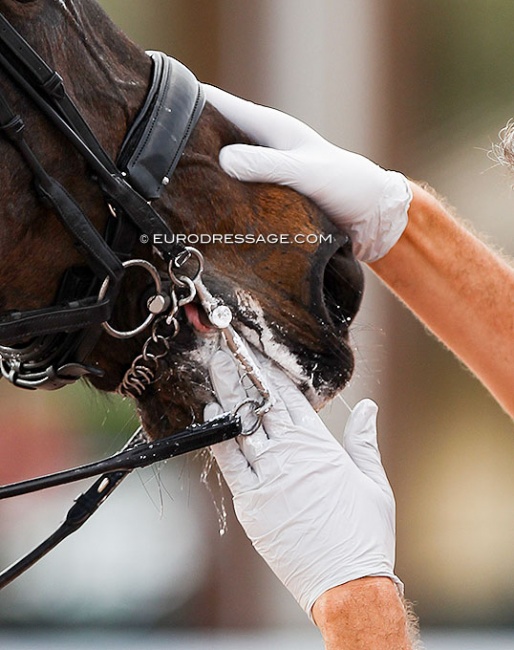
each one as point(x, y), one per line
point(359, 196)
point(318, 513)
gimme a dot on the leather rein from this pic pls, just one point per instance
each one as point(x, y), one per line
point(46, 348)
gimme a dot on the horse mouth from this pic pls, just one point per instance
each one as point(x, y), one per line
point(301, 328)
point(198, 319)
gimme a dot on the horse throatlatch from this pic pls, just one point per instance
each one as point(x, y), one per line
point(46, 348)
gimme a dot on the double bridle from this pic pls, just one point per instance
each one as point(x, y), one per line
point(46, 348)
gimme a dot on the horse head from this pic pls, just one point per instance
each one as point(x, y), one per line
point(271, 255)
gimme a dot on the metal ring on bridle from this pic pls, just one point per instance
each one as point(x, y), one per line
point(187, 282)
point(150, 268)
point(256, 413)
point(177, 263)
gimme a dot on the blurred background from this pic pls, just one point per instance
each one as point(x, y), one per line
point(421, 86)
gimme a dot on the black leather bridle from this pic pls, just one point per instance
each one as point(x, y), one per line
point(47, 348)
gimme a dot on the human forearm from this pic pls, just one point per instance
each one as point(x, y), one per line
point(364, 614)
point(459, 288)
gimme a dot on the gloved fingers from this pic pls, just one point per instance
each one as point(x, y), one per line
point(279, 408)
point(360, 442)
point(267, 126)
point(290, 407)
point(294, 406)
point(278, 419)
point(231, 461)
point(298, 408)
point(259, 164)
point(357, 194)
point(226, 381)
point(231, 393)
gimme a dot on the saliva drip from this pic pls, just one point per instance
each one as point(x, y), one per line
point(217, 499)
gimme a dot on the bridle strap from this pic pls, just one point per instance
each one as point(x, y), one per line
point(19, 326)
point(70, 317)
point(137, 453)
point(140, 455)
point(100, 257)
point(113, 184)
point(85, 505)
point(49, 83)
point(151, 152)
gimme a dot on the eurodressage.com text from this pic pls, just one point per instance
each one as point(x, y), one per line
point(238, 238)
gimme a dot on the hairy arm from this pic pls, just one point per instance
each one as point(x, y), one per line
point(363, 614)
point(460, 289)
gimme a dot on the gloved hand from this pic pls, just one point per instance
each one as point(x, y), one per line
point(318, 513)
point(360, 197)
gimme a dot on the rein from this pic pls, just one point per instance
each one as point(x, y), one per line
point(46, 348)
point(137, 453)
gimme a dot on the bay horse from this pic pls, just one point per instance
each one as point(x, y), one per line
point(293, 300)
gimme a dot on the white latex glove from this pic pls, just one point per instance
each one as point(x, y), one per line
point(367, 201)
point(318, 513)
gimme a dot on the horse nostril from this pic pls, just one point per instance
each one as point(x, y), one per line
point(343, 284)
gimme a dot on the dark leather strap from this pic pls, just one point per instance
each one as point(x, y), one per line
point(156, 140)
point(49, 83)
point(196, 436)
point(20, 326)
point(137, 453)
